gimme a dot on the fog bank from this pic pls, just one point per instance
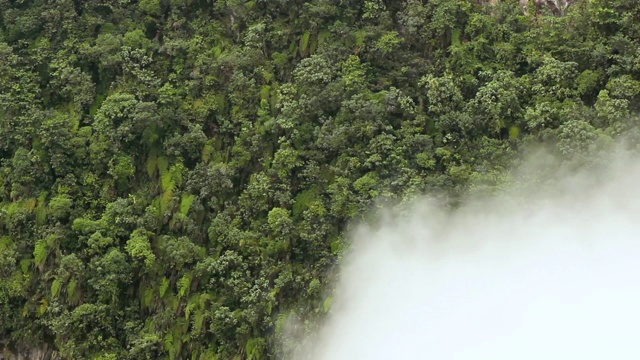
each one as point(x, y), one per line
point(549, 273)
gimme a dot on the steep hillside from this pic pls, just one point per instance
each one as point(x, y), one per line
point(177, 176)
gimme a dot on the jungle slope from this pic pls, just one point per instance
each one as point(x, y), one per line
point(177, 176)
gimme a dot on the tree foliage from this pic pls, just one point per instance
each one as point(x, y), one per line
point(177, 177)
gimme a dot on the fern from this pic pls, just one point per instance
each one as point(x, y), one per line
point(75, 118)
point(106, 356)
point(167, 181)
point(168, 186)
point(168, 342)
point(184, 285)
point(40, 253)
point(267, 75)
point(150, 136)
point(217, 51)
point(147, 297)
point(209, 354)
point(177, 173)
point(181, 329)
point(326, 305)
point(255, 348)
point(188, 309)
point(41, 215)
point(185, 204)
point(30, 203)
point(72, 290)
point(173, 343)
point(170, 180)
point(293, 48)
point(337, 244)
point(163, 165)
point(303, 200)
point(12, 208)
point(150, 325)
point(56, 285)
point(156, 204)
point(204, 297)
point(51, 241)
point(304, 42)
point(271, 303)
point(41, 210)
point(198, 321)
point(174, 350)
point(42, 308)
point(164, 286)
point(165, 200)
point(265, 92)
point(361, 36)
point(172, 302)
point(25, 264)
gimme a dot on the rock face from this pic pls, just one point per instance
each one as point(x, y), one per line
point(34, 354)
point(556, 6)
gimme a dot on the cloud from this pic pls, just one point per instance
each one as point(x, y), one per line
point(537, 272)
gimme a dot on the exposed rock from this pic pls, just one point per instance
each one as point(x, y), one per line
point(556, 6)
point(44, 353)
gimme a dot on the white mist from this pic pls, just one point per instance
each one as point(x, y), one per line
point(551, 275)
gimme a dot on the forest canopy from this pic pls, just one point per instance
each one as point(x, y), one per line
point(177, 177)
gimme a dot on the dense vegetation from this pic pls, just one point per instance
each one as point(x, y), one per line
point(177, 176)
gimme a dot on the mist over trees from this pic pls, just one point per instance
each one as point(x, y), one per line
point(177, 177)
